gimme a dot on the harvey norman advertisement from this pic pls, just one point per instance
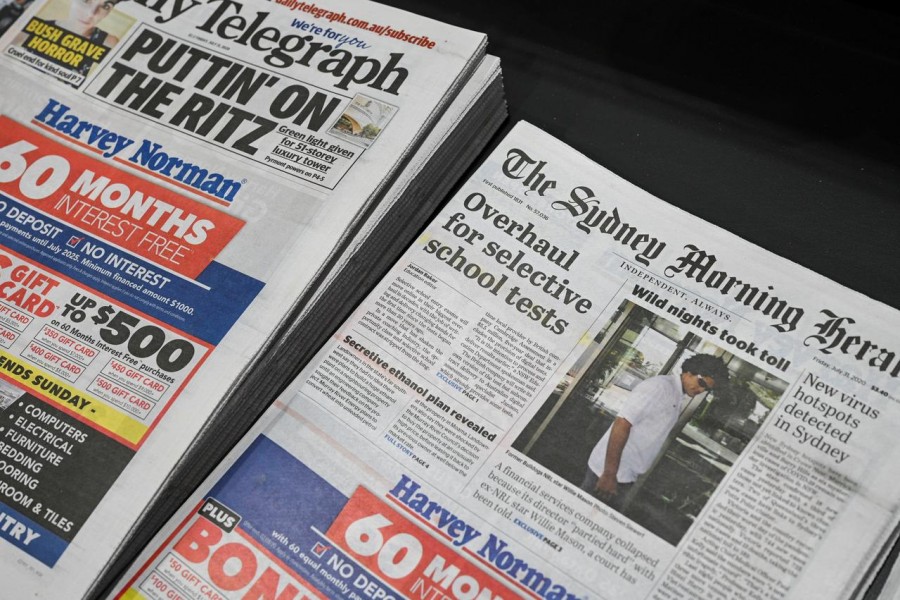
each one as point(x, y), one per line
point(110, 300)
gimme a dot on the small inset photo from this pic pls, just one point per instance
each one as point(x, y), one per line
point(363, 120)
point(10, 10)
point(8, 394)
point(650, 419)
point(66, 38)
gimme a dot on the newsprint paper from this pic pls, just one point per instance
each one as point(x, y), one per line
point(461, 435)
point(173, 177)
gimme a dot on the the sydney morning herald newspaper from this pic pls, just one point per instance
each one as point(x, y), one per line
point(456, 438)
point(172, 176)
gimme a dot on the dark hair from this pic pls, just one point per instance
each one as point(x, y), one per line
point(707, 365)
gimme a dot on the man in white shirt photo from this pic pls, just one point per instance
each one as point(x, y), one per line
point(631, 444)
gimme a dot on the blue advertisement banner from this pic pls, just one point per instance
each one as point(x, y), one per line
point(24, 533)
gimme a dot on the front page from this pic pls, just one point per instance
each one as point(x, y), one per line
point(454, 438)
point(172, 178)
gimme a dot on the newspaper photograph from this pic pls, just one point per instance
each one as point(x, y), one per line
point(664, 492)
point(566, 388)
point(172, 179)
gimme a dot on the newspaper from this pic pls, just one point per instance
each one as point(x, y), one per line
point(456, 437)
point(174, 178)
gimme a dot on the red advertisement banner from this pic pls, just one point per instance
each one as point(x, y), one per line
point(405, 556)
point(151, 221)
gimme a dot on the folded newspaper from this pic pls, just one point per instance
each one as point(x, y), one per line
point(188, 191)
point(566, 388)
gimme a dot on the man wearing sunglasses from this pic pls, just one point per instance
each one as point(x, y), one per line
point(631, 444)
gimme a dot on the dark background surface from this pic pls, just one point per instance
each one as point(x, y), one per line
point(774, 121)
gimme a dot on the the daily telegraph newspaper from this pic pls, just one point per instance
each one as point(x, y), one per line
point(173, 177)
point(453, 438)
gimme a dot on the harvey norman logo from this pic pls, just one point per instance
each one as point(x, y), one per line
point(147, 156)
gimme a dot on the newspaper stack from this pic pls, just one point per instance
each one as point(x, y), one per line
point(192, 196)
point(565, 388)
